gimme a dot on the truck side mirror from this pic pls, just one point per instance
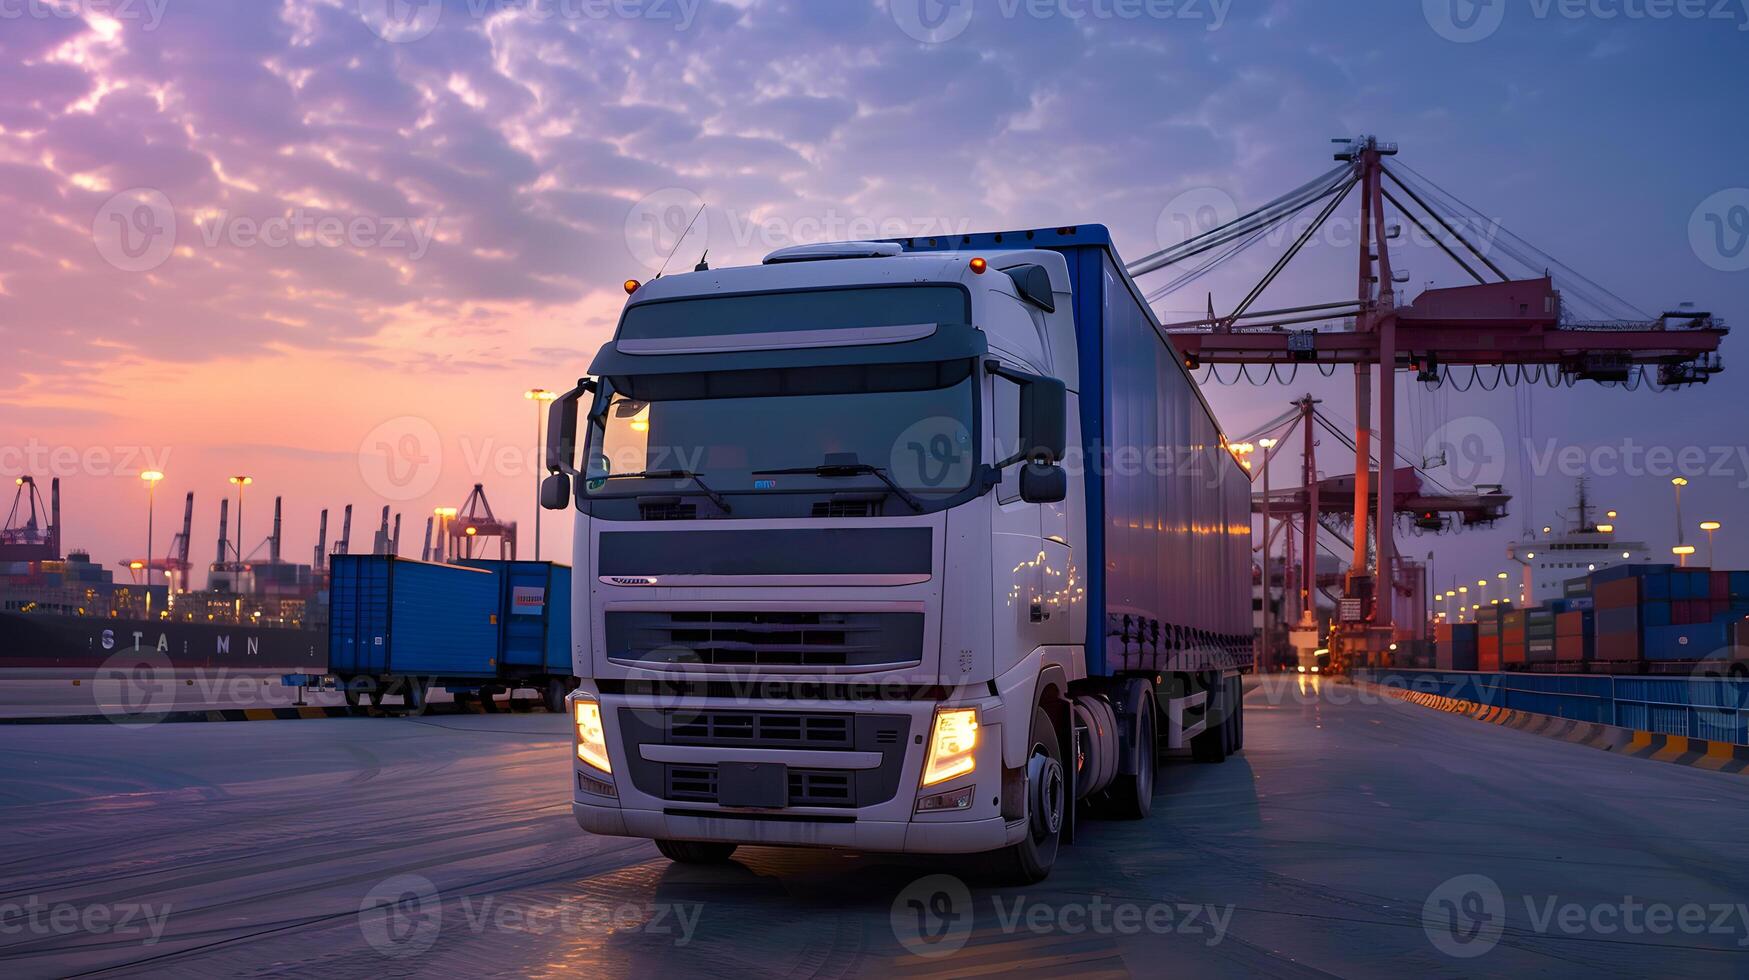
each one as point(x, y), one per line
point(1043, 483)
point(1043, 419)
point(555, 491)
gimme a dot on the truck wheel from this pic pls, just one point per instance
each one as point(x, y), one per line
point(1030, 860)
point(1211, 745)
point(557, 688)
point(1239, 716)
point(489, 700)
point(1132, 797)
point(695, 851)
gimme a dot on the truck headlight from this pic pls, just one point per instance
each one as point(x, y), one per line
point(591, 736)
point(952, 745)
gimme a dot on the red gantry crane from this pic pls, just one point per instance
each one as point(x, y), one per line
point(1520, 330)
point(475, 522)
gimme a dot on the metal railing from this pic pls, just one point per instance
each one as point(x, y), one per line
point(1697, 707)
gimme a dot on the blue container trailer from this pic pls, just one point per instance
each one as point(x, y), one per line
point(401, 627)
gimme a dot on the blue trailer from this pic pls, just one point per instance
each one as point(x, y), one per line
point(534, 625)
point(399, 627)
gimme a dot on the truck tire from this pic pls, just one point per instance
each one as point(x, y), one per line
point(695, 851)
point(1238, 716)
point(557, 688)
point(489, 700)
point(1030, 860)
point(1211, 744)
point(1132, 797)
point(415, 696)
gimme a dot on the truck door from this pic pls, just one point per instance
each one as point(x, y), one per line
point(1018, 556)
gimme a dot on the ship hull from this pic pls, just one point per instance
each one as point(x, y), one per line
point(34, 640)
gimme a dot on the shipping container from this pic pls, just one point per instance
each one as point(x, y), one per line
point(1512, 637)
point(1622, 593)
point(534, 615)
point(1539, 636)
point(394, 617)
point(1456, 646)
point(1574, 635)
point(1698, 641)
point(1487, 652)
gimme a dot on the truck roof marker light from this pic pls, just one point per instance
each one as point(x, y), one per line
point(979, 265)
point(632, 286)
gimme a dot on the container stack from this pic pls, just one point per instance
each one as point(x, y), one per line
point(1488, 638)
point(1575, 635)
point(1455, 646)
point(1512, 638)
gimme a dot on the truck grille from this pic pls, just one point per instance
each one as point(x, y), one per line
point(743, 728)
point(761, 729)
point(736, 638)
point(807, 787)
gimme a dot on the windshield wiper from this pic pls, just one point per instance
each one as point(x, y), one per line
point(715, 497)
point(849, 469)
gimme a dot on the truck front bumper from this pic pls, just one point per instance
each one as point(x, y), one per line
point(646, 740)
point(934, 837)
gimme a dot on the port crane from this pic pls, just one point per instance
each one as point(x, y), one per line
point(1521, 330)
point(32, 531)
point(175, 566)
point(474, 522)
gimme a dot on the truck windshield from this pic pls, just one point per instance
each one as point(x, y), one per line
point(913, 422)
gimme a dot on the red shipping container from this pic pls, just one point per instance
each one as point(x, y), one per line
point(1619, 594)
point(1487, 653)
point(1721, 585)
point(1570, 647)
point(1681, 612)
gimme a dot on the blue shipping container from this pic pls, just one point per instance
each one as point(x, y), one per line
point(396, 616)
point(1694, 641)
point(534, 613)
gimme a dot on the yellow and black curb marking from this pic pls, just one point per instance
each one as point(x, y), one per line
point(1684, 751)
point(289, 713)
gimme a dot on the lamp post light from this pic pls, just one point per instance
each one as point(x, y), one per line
point(1682, 551)
point(1709, 527)
point(540, 396)
point(151, 477)
point(1679, 483)
point(241, 482)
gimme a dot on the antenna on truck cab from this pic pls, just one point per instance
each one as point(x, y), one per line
point(678, 241)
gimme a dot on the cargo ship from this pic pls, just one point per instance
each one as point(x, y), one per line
point(71, 613)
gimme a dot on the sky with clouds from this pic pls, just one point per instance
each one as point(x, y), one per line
point(308, 240)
